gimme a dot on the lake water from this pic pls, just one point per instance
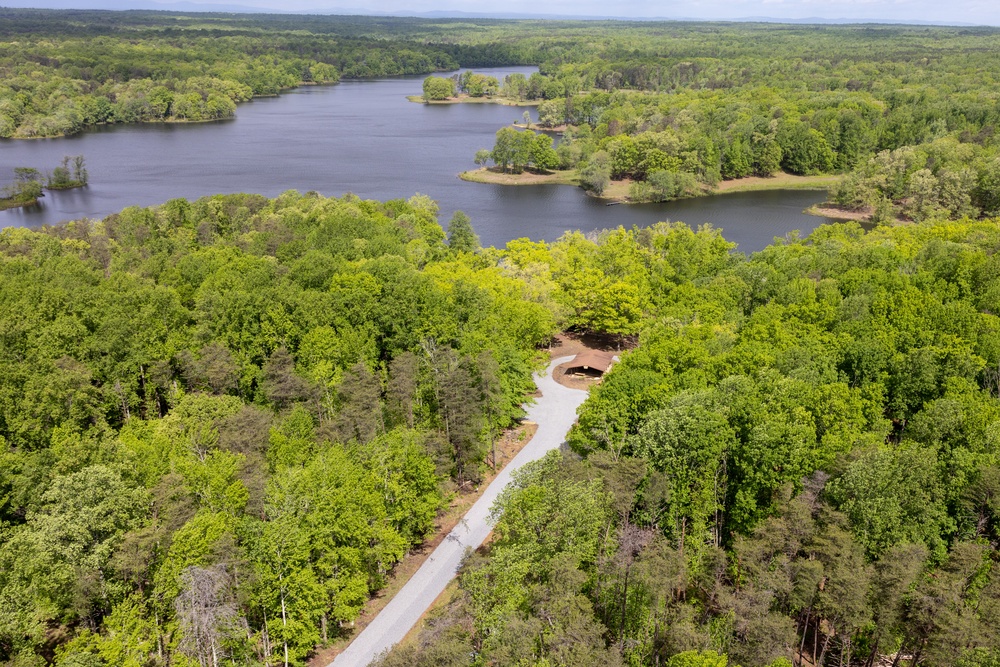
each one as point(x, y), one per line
point(363, 137)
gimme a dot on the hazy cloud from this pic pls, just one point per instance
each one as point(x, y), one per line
point(958, 11)
point(983, 12)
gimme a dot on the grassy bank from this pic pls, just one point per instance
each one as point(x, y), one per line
point(13, 202)
point(780, 181)
point(491, 175)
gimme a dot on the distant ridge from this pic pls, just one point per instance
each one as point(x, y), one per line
point(125, 5)
point(188, 6)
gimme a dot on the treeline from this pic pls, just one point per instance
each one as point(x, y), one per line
point(798, 465)
point(677, 115)
point(940, 179)
point(63, 72)
point(223, 422)
point(710, 136)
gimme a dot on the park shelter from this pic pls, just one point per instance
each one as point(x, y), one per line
point(594, 363)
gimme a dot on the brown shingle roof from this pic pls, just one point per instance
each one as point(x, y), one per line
point(592, 359)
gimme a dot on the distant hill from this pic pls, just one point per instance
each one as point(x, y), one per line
point(186, 6)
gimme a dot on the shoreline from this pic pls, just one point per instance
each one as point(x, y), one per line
point(827, 210)
point(6, 205)
point(466, 99)
point(177, 121)
point(617, 191)
point(487, 175)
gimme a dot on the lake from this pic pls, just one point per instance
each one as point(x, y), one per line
point(363, 137)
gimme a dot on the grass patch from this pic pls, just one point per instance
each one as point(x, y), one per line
point(496, 177)
point(778, 182)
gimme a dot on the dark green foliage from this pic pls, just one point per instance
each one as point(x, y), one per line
point(461, 236)
point(164, 70)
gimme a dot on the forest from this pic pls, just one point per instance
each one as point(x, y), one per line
point(238, 407)
point(673, 116)
point(798, 464)
point(225, 422)
point(62, 72)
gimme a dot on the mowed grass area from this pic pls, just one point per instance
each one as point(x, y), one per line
point(781, 181)
point(619, 190)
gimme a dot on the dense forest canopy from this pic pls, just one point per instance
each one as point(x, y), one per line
point(220, 410)
point(224, 422)
point(680, 108)
point(255, 405)
point(798, 464)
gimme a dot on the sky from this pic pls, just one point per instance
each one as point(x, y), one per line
point(958, 12)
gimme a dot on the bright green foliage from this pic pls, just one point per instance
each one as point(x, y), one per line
point(234, 410)
point(513, 150)
point(800, 456)
point(438, 88)
point(543, 156)
point(690, 442)
point(548, 532)
point(698, 659)
point(894, 497)
point(478, 85)
point(595, 176)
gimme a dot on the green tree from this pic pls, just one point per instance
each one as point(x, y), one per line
point(690, 442)
point(438, 88)
point(543, 156)
point(595, 175)
point(461, 236)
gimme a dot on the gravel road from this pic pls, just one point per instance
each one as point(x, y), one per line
point(554, 413)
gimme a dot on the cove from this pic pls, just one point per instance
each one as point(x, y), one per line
point(363, 137)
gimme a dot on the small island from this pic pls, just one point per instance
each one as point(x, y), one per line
point(618, 170)
point(516, 90)
point(28, 182)
point(523, 157)
point(619, 190)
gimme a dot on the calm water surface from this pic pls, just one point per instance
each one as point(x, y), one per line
point(362, 137)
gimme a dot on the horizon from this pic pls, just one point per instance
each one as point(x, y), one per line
point(899, 12)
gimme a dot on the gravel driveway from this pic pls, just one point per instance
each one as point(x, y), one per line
point(554, 413)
